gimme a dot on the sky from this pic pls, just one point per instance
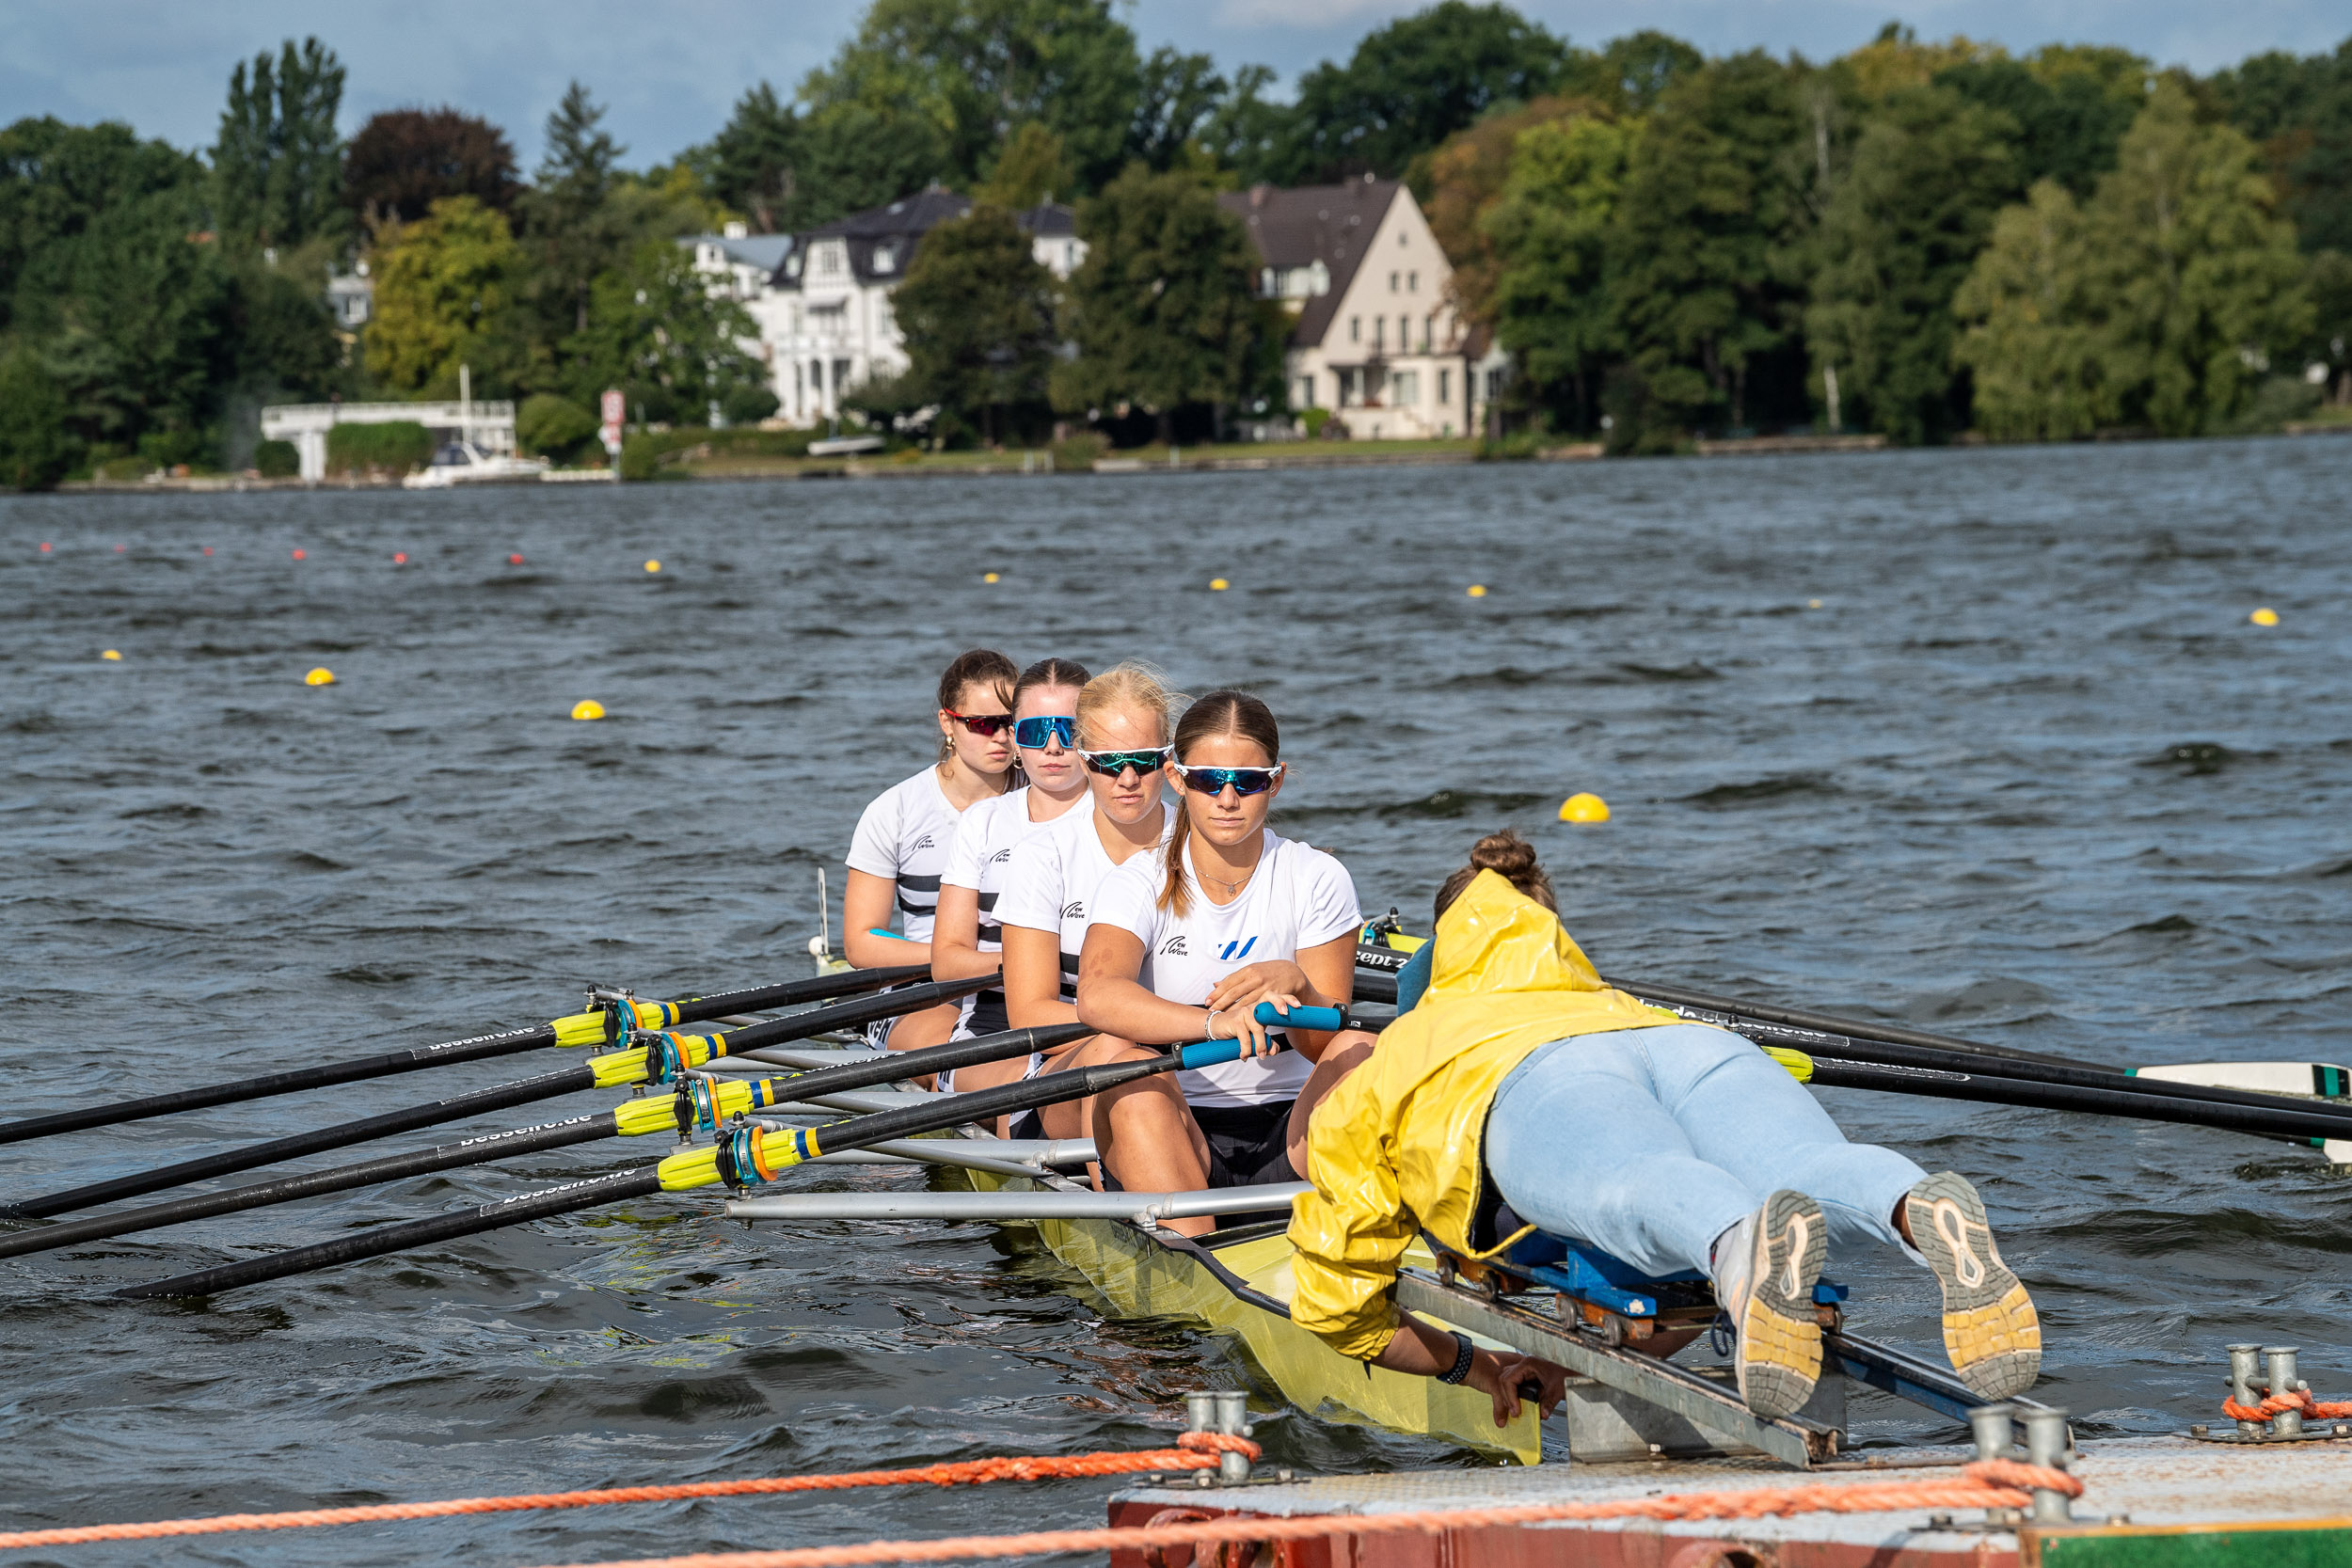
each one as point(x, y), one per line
point(671, 71)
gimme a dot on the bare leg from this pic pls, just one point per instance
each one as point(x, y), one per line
point(931, 1026)
point(1071, 1118)
point(1335, 1066)
point(1146, 1136)
point(989, 1075)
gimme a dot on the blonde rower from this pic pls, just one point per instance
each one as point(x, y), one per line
point(1125, 717)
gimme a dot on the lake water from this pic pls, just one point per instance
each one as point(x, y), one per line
point(2027, 773)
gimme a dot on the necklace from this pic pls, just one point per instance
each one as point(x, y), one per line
point(1230, 887)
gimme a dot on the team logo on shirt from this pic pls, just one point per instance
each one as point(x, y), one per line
point(1173, 947)
point(1234, 951)
point(1004, 854)
point(923, 842)
point(1074, 911)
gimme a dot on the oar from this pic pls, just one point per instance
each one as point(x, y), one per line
point(1819, 1045)
point(698, 1104)
point(669, 1055)
point(746, 1156)
point(2289, 1121)
point(1852, 1028)
point(589, 1028)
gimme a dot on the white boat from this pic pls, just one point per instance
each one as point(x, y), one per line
point(464, 463)
point(844, 446)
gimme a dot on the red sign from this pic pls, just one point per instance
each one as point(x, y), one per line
point(615, 410)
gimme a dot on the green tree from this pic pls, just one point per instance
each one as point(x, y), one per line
point(1631, 74)
point(2031, 336)
point(1413, 83)
point(445, 296)
point(278, 163)
point(1029, 171)
point(2159, 303)
point(1902, 227)
point(2327, 284)
point(1178, 101)
point(1714, 214)
point(57, 180)
point(754, 165)
point(977, 314)
point(2299, 110)
point(2065, 129)
point(1551, 230)
point(37, 447)
point(655, 332)
point(573, 232)
point(967, 72)
point(1163, 307)
point(554, 427)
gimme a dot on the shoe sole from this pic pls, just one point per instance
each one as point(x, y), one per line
point(1780, 1339)
point(1990, 1330)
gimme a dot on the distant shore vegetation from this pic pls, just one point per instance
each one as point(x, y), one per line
point(1930, 241)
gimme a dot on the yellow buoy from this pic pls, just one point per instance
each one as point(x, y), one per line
point(2265, 617)
point(1218, 585)
point(653, 565)
point(1584, 807)
point(115, 654)
point(1812, 604)
point(587, 708)
point(988, 576)
point(320, 676)
point(1477, 590)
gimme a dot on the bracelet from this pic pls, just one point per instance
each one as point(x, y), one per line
point(1209, 1029)
point(1464, 1353)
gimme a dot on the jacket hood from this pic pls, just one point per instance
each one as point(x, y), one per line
point(1495, 938)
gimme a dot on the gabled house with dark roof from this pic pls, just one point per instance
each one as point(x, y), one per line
point(1375, 335)
point(826, 323)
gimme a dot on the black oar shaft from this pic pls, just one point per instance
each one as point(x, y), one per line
point(1853, 1028)
point(288, 1189)
point(500, 1096)
point(890, 1066)
point(1815, 1041)
point(619, 1187)
point(473, 1047)
point(849, 1015)
point(2291, 1121)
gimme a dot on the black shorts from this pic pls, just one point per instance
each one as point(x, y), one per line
point(988, 1014)
point(1249, 1145)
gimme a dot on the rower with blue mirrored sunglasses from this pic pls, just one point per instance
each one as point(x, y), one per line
point(1241, 781)
point(1035, 735)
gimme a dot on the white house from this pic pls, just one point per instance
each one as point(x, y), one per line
point(1375, 335)
point(826, 322)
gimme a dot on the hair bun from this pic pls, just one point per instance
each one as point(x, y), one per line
point(1504, 853)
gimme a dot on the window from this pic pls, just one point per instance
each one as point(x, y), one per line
point(1404, 333)
point(829, 261)
point(1379, 333)
point(1494, 384)
point(1412, 282)
point(1355, 329)
point(1306, 391)
point(1445, 388)
point(1428, 333)
point(1351, 388)
point(1404, 388)
point(1391, 282)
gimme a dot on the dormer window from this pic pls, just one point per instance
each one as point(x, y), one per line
point(885, 258)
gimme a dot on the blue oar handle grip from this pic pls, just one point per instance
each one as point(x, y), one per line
point(1208, 1053)
point(1322, 1020)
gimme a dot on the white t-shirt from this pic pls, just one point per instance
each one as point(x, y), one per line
point(1051, 880)
point(903, 835)
point(1299, 898)
point(983, 844)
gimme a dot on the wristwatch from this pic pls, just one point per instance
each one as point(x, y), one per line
point(1464, 1351)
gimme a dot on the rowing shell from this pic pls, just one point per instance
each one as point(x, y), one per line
point(1238, 1281)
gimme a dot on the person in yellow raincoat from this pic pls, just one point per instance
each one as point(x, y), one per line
point(1520, 1090)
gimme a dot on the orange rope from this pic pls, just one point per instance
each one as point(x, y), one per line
point(2276, 1403)
point(1991, 1484)
point(1195, 1450)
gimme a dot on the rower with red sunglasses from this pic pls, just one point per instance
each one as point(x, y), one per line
point(1183, 945)
point(965, 942)
point(900, 848)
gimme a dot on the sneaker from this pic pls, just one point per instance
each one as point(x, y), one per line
point(1764, 1274)
point(1990, 1330)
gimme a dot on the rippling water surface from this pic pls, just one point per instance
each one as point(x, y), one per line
point(2023, 772)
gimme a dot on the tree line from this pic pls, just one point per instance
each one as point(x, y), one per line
point(1922, 239)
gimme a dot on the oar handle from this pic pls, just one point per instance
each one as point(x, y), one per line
point(1325, 1020)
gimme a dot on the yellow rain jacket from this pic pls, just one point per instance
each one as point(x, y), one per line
point(1395, 1149)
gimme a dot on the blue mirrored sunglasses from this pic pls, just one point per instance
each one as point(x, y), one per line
point(1029, 734)
point(1243, 781)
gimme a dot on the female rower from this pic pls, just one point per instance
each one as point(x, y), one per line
point(1125, 717)
point(1181, 945)
point(1669, 1145)
point(964, 940)
point(900, 846)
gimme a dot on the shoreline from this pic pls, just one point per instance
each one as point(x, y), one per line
point(1267, 457)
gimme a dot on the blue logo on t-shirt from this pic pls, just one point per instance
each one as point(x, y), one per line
point(1230, 954)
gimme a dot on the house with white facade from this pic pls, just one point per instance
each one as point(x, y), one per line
point(826, 320)
point(1375, 336)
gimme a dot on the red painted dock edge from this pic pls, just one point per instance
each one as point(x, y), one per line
point(1636, 1544)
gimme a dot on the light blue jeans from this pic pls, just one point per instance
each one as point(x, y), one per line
point(1650, 1143)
